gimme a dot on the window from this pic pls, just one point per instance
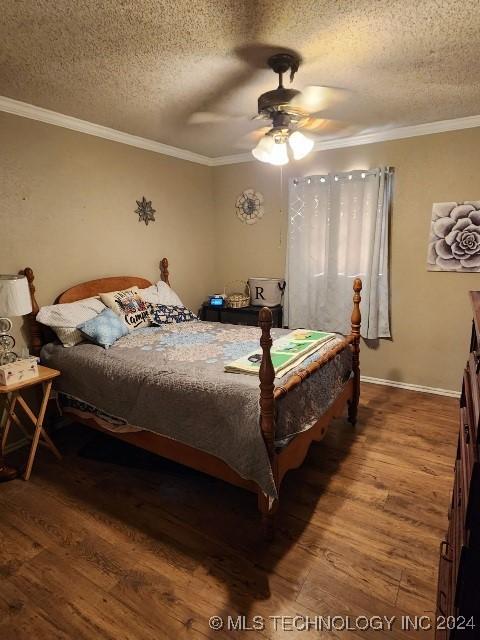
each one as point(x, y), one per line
point(338, 230)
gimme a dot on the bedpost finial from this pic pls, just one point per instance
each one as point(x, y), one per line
point(28, 273)
point(164, 273)
point(356, 323)
point(265, 317)
point(265, 321)
point(267, 372)
point(356, 315)
point(35, 328)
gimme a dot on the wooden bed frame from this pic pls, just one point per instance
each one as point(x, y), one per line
point(282, 460)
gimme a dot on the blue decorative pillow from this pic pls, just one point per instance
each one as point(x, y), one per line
point(104, 329)
point(166, 314)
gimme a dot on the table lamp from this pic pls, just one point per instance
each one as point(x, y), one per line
point(14, 301)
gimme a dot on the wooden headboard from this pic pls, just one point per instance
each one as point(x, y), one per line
point(39, 334)
point(102, 285)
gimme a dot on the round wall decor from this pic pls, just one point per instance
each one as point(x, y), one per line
point(249, 206)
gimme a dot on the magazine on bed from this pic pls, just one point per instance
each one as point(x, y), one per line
point(286, 352)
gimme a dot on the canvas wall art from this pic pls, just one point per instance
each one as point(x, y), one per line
point(454, 243)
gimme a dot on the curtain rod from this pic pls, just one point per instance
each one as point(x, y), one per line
point(342, 175)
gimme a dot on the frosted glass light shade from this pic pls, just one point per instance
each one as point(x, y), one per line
point(14, 296)
point(273, 149)
point(263, 149)
point(278, 154)
point(300, 145)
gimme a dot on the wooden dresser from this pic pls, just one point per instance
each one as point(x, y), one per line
point(458, 595)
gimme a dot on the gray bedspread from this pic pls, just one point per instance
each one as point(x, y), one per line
point(170, 380)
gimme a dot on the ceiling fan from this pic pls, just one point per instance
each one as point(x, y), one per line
point(290, 111)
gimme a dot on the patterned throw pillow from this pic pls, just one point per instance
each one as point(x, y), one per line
point(168, 314)
point(104, 329)
point(129, 305)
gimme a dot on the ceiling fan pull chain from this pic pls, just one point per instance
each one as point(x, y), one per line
point(280, 238)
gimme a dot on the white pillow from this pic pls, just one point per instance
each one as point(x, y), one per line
point(161, 293)
point(65, 318)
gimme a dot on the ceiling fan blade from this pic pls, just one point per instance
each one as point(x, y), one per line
point(322, 125)
point(255, 136)
point(249, 140)
point(209, 117)
point(220, 98)
point(315, 98)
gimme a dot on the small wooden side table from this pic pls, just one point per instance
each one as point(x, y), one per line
point(14, 398)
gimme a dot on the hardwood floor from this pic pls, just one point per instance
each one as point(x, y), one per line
point(148, 549)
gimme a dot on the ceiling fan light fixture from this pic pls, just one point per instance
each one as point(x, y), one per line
point(300, 145)
point(272, 148)
point(278, 154)
point(263, 149)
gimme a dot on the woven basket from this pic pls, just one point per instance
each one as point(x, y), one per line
point(237, 300)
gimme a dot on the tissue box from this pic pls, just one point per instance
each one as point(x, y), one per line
point(18, 371)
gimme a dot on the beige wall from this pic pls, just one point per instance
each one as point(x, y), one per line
point(430, 311)
point(67, 210)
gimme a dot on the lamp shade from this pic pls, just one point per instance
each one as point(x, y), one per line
point(14, 296)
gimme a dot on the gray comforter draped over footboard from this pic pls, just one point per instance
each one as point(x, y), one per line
point(170, 380)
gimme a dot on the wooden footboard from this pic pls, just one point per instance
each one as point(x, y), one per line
point(294, 453)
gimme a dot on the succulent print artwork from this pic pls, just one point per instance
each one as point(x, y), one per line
point(454, 243)
point(146, 213)
point(249, 206)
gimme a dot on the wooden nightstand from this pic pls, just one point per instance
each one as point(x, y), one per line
point(14, 397)
point(246, 315)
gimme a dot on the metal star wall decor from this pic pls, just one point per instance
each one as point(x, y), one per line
point(146, 213)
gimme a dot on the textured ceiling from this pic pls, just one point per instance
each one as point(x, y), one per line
point(145, 66)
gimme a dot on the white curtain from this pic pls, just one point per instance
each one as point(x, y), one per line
point(338, 230)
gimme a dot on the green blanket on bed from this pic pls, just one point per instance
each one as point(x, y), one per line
point(286, 352)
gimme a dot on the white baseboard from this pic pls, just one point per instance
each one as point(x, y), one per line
point(411, 387)
point(23, 442)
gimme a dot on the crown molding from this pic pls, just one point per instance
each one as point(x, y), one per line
point(25, 110)
point(397, 133)
point(236, 158)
